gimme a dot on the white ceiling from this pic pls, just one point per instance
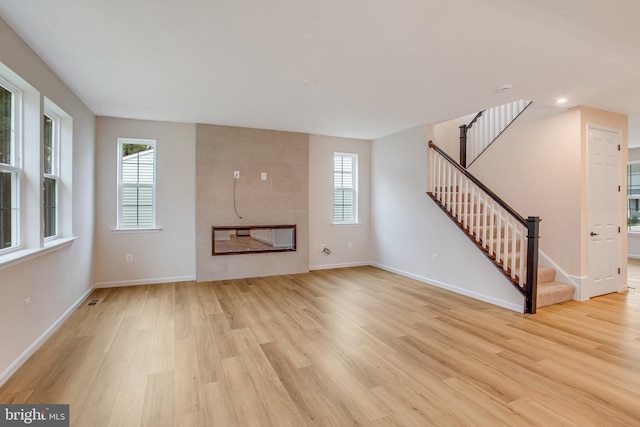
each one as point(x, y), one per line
point(376, 66)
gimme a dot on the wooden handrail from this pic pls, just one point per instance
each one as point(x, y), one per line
point(483, 187)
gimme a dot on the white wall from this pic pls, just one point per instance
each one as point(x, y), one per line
point(634, 154)
point(57, 280)
point(164, 256)
point(633, 250)
point(408, 228)
point(337, 237)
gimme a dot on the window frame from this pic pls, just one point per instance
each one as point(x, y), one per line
point(53, 175)
point(14, 167)
point(354, 190)
point(122, 185)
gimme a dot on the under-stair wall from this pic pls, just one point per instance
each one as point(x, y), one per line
point(408, 229)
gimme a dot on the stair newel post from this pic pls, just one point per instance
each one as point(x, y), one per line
point(463, 146)
point(533, 229)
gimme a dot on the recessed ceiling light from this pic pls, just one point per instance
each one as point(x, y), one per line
point(505, 87)
point(309, 82)
point(561, 100)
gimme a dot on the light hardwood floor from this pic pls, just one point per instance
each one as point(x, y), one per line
point(356, 346)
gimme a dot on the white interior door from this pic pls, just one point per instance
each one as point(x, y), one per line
point(603, 215)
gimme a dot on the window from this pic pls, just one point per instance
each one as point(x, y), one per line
point(51, 174)
point(345, 188)
point(633, 196)
point(136, 186)
point(9, 166)
point(36, 140)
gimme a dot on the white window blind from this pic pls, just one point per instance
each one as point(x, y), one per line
point(344, 188)
point(137, 184)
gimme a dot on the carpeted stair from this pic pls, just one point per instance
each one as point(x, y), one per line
point(549, 291)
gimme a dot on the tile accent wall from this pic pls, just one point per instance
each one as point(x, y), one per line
point(282, 199)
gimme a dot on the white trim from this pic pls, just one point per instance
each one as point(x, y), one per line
point(342, 265)
point(581, 292)
point(121, 185)
point(354, 187)
point(500, 303)
point(20, 256)
point(561, 275)
point(150, 281)
point(16, 364)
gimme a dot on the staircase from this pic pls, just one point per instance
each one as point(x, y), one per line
point(549, 291)
point(508, 239)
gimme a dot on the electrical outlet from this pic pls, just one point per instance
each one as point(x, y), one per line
point(129, 257)
point(435, 257)
point(27, 306)
point(349, 245)
point(264, 176)
point(236, 174)
point(323, 246)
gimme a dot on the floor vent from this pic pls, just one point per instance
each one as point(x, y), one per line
point(94, 301)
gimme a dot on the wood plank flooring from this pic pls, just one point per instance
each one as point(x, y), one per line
point(358, 346)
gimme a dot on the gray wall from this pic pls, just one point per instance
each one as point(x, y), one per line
point(54, 281)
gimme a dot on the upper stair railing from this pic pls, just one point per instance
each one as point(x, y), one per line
point(504, 236)
point(485, 127)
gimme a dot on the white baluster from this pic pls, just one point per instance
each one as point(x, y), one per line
point(436, 190)
point(499, 235)
point(523, 255)
point(454, 192)
point(513, 249)
point(447, 188)
point(465, 208)
point(477, 214)
point(492, 227)
point(505, 257)
point(485, 221)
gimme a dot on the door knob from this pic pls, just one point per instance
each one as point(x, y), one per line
point(594, 234)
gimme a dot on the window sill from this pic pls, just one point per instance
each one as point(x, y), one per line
point(135, 230)
point(346, 224)
point(23, 255)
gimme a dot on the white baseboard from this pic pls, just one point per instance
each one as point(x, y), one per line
point(13, 367)
point(137, 282)
point(343, 265)
point(495, 301)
